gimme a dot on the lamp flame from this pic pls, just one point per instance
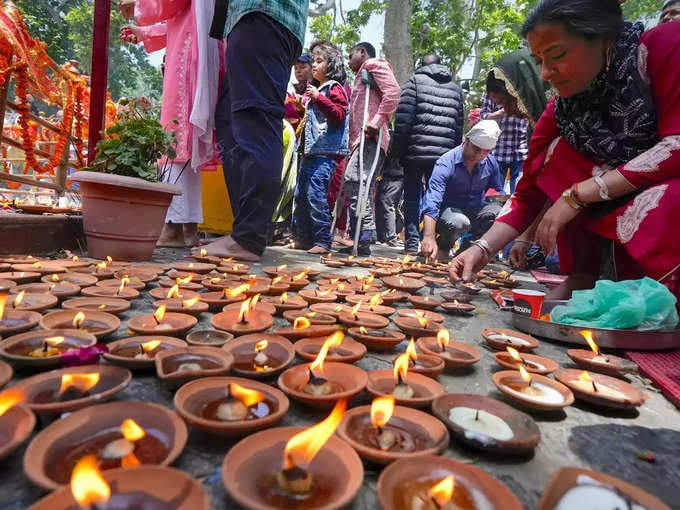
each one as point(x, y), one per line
point(19, 298)
point(109, 259)
point(159, 313)
point(355, 309)
point(281, 267)
point(55, 277)
point(247, 396)
point(442, 492)
point(9, 398)
point(204, 252)
point(277, 280)
point(443, 338)
point(87, 484)
point(363, 330)
point(53, 341)
point(75, 258)
point(150, 345)
point(525, 375)
point(381, 410)
point(301, 323)
point(131, 430)
point(254, 300)
point(123, 282)
point(515, 355)
point(245, 309)
point(174, 292)
point(423, 322)
point(303, 447)
point(261, 345)
point(188, 303)
point(232, 293)
point(101, 266)
point(332, 341)
point(585, 376)
point(401, 367)
point(322, 293)
point(411, 350)
point(36, 264)
point(229, 259)
point(82, 382)
point(370, 279)
point(182, 281)
point(284, 297)
point(3, 300)
point(300, 276)
point(376, 300)
point(78, 319)
point(588, 335)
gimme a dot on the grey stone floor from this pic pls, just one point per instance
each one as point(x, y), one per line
point(580, 436)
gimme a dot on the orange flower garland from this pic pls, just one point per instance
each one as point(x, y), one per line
point(5, 167)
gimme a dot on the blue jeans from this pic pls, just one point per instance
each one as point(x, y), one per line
point(312, 215)
point(413, 194)
point(515, 169)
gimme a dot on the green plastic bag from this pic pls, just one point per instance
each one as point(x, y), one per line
point(632, 304)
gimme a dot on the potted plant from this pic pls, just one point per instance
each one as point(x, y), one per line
point(124, 202)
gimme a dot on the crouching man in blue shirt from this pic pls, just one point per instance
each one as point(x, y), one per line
point(455, 203)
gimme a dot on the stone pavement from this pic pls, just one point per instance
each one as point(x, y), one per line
point(580, 436)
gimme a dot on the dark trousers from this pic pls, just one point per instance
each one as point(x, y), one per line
point(454, 223)
point(312, 215)
point(386, 206)
point(249, 122)
point(413, 194)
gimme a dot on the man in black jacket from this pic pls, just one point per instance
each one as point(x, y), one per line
point(429, 123)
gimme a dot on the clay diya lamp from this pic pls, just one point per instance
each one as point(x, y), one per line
point(192, 306)
point(321, 383)
point(194, 267)
point(601, 390)
point(341, 350)
point(32, 302)
point(313, 317)
point(235, 269)
point(255, 304)
point(393, 296)
point(173, 292)
point(154, 268)
point(69, 389)
point(425, 314)
point(454, 354)
point(469, 288)
point(217, 300)
point(532, 363)
point(218, 283)
point(183, 364)
point(126, 293)
point(121, 434)
point(295, 285)
point(435, 482)
point(578, 488)
point(412, 274)
point(43, 348)
point(137, 274)
point(61, 290)
point(115, 306)
point(377, 339)
point(19, 259)
point(436, 281)
point(318, 296)
point(458, 308)
point(357, 319)
point(100, 270)
point(383, 432)
point(374, 305)
point(260, 355)
point(100, 324)
point(82, 280)
point(533, 391)
point(277, 287)
point(279, 468)
point(15, 321)
point(332, 309)
point(162, 323)
point(205, 258)
point(331, 276)
point(124, 282)
point(6, 373)
point(330, 262)
point(183, 283)
point(595, 361)
point(20, 277)
point(4, 267)
point(499, 339)
point(409, 285)
point(230, 406)
point(7, 284)
point(243, 321)
point(409, 389)
point(490, 283)
point(113, 264)
point(138, 352)
point(341, 290)
point(424, 302)
point(456, 295)
point(303, 328)
point(285, 302)
point(16, 421)
point(487, 424)
point(417, 326)
point(148, 487)
point(209, 338)
point(425, 364)
point(41, 267)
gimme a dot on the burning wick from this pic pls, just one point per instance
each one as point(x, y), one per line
point(124, 447)
point(412, 353)
point(87, 483)
point(261, 358)
point(402, 390)
point(585, 376)
point(78, 320)
point(236, 403)
point(317, 384)
point(243, 313)
point(515, 355)
point(441, 493)
point(146, 348)
point(188, 303)
point(124, 281)
point(19, 299)
point(588, 335)
point(382, 409)
point(158, 318)
point(443, 339)
point(49, 347)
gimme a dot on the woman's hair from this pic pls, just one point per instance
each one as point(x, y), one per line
point(495, 85)
point(335, 68)
point(590, 19)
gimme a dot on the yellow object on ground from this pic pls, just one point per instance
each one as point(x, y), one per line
point(217, 215)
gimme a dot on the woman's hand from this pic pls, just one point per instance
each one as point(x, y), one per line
point(518, 254)
point(554, 219)
point(130, 34)
point(467, 264)
point(312, 92)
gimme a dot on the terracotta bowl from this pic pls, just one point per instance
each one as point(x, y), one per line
point(293, 303)
point(316, 296)
point(336, 463)
point(372, 339)
point(17, 347)
point(525, 432)
point(192, 398)
point(381, 382)
point(217, 283)
point(6, 373)
point(310, 332)
point(565, 479)
point(519, 341)
point(172, 486)
point(58, 440)
point(154, 268)
point(424, 302)
point(411, 327)
point(276, 289)
point(16, 425)
point(228, 321)
point(162, 293)
point(332, 309)
point(42, 389)
point(407, 480)
point(100, 274)
point(194, 267)
point(192, 285)
point(261, 306)
point(176, 306)
point(504, 378)
point(409, 285)
point(209, 338)
point(137, 274)
point(469, 288)
point(176, 323)
point(296, 285)
point(243, 350)
point(431, 434)
point(115, 282)
point(18, 321)
point(427, 364)
point(456, 295)
point(412, 274)
point(207, 259)
point(436, 281)
point(35, 302)
point(348, 352)
point(111, 292)
point(463, 309)
point(217, 300)
point(353, 380)
point(368, 320)
point(426, 314)
point(105, 323)
point(44, 268)
point(111, 305)
point(627, 396)
point(385, 311)
point(212, 362)
point(532, 363)
point(313, 317)
point(121, 351)
point(61, 290)
point(605, 363)
point(457, 354)
point(7, 283)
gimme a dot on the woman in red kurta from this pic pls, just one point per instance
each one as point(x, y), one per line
point(606, 152)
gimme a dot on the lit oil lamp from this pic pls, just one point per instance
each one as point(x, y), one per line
point(532, 363)
point(318, 296)
point(239, 404)
point(601, 390)
point(401, 389)
point(501, 338)
point(243, 321)
point(260, 355)
point(303, 328)
point(534, 391)
point(417, 326)
point(426, 364)
point(34, 302)
point(458, 308)
point(180, 365)
point(317, 384)
point(15, 418)
point(597, 362)
point(15, 321)
point(76, 385)
point(454, 354)
point(377, 339)
point(357, 319)
point(162, 321)
point(147, 350)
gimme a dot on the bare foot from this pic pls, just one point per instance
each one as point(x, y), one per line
point(318, 250)
point(226, 247)
point(190, 233)
point(171, 236)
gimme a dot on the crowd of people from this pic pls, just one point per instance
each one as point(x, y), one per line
point(582, 123)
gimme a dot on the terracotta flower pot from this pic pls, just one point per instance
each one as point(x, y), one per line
point(123, 216)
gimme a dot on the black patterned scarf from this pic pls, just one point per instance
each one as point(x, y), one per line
point(614, 119)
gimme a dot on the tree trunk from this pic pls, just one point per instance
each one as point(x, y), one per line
point(397, 46)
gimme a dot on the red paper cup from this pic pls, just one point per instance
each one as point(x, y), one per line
point(528, 302)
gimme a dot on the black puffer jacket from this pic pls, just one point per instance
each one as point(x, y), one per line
point(429, 119)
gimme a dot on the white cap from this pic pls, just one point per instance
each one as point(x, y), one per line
point(485, 134)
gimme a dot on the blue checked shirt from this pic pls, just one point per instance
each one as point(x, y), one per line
point(512, 145)
point(292, 14)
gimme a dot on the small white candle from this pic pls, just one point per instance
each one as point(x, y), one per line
point(480, 426)
point(509, 339)
point(539, 392)
point(592, 494)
